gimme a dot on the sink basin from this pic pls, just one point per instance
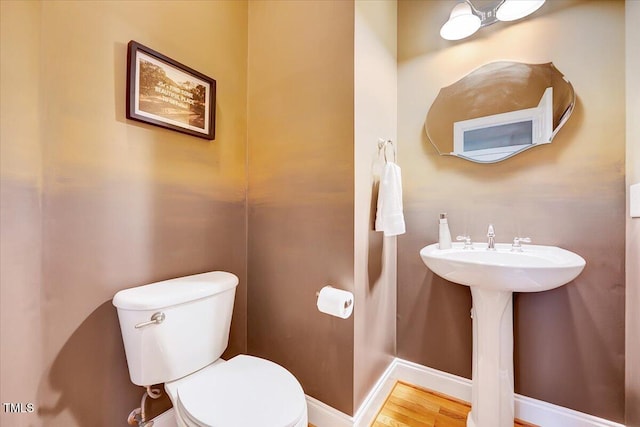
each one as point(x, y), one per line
point(536, 268)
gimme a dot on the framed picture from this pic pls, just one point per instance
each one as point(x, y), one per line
point(166, 93)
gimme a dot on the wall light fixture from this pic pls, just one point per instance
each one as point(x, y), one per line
point(465, 19)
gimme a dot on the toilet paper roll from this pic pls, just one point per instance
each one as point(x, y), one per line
point(335, 302)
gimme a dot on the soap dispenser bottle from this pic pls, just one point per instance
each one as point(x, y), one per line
point(444, 235)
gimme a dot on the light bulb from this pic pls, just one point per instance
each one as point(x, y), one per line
point(462, 23)
point(511, 10)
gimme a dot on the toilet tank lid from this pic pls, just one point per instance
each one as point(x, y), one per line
point(175, 291)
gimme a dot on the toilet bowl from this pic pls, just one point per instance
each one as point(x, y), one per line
point(175, 331)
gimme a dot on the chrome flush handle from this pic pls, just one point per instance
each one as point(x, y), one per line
point(156, 319)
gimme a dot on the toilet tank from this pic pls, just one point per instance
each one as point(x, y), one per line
point(194, 333)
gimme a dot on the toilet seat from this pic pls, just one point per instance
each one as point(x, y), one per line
point(246, 391)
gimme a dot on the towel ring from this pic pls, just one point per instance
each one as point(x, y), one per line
point(382, 146)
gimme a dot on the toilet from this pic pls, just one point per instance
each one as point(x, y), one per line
point(175, 331)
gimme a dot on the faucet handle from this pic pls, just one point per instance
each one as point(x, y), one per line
point(490, 232)
point(517, 246)
point(467, 241)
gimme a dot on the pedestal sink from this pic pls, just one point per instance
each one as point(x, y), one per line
point(493, 276)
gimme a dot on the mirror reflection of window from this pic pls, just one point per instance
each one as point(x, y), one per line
point(513, 134)
point(491, 138)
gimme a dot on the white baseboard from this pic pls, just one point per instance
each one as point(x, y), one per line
point(526, 409)
point(322, 415)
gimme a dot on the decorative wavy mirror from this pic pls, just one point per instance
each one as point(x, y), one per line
point(500, 110)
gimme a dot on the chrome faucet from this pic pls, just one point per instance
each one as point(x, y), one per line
point(517, 243)
point(467, 241)
point(491, 246)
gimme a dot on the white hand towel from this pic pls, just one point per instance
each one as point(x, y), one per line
point(389, 217)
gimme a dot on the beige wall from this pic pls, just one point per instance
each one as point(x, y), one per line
point(375, 256)
point(569, 342)
point(122, 203)
point(301, 191)
point(633, 225)
point(20, 208)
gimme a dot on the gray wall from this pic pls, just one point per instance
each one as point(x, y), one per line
point(93, 203)
point(300, 190)
point(633, 225)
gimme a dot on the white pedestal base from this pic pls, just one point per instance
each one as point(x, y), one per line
point(492, 398)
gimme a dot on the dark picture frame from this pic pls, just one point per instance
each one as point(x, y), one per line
point(166, 93)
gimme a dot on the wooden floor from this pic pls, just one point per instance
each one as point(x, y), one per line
point(411, 406)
